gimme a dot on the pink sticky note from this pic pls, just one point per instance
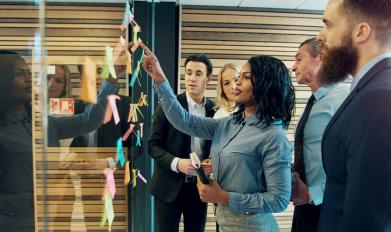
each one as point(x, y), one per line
point(113, 106)
point(136, 45)
point(118, 49)
point(110, 182)
point(126, 135)
point(141, 176)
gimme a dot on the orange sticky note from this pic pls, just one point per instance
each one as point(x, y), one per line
point(127, 173)
point(88, 82)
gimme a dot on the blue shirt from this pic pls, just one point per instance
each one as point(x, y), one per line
point(360, 74)
point(250, 162)
point(327, 101)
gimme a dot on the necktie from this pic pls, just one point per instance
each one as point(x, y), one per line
point(299, 137)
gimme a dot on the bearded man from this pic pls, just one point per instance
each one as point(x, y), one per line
point(356, 145)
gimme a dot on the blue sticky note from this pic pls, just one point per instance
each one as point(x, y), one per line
point(135, 74)
point(120, 152)
point(138, 143)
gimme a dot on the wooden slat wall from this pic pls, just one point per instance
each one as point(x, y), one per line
point(233, 35)
point(71, 33)
point(68, 211)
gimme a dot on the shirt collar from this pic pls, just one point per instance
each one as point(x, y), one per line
point(253, 120)
point(361, 73)
point(323, 91)
point(191, 103)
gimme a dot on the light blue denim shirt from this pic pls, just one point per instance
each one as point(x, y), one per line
point(251, 163)
point(328, 100)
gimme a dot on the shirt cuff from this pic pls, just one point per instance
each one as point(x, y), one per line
point(163, 87)
point(233, 201)
point(111, 163)
point(174, 164)
point(316, 193)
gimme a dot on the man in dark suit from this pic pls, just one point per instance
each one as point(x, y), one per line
point(174, 183)
point(356, 145)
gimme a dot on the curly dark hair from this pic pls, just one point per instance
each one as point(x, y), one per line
point(273, 91)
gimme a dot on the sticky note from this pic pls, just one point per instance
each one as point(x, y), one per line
point(143, 100)
point(126, 135)
point(109, 67)
point(138, 143)
point(136, 45)
point(109, 209)
point(141, 176)
point(88, 82)
point(120, 152)
point(134, 175)
point(128, 62)
point(113, 107)
point(51, 69)
point(118, 49)
point(110, 182)
point(127, 173)
point(135, 74)
point(141, 129)
point(135, 29)
point(128, 17)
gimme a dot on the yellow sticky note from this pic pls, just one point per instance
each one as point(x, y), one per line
point(128, 62)
point(88, 82)
point(127, 173)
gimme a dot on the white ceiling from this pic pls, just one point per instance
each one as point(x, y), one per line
point(280, 4)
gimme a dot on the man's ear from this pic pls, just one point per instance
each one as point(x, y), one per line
point(320, 56)
point(208, 78)
point(361, 32)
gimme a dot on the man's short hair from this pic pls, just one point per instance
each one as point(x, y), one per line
point(376, 12)
point(315, 46)
point(203, 59)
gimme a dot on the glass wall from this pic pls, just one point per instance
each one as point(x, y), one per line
point(74, 116)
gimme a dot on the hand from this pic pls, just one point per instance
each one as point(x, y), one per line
point(185, 166)
point(152, 66)
point(212, 193)
point(207, 166)
point(300, 194)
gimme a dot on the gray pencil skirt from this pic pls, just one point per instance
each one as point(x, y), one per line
point(230, 221)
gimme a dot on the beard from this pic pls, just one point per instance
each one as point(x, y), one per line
point(338, 62)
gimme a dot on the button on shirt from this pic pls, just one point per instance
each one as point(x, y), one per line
point(196, 143)
point(327, 101)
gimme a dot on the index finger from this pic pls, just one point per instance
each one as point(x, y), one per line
point(146, 49)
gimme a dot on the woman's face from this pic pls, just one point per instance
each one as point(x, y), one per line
point(228, 78)
point(244, 87)
point(21, 88)
point(56, 83)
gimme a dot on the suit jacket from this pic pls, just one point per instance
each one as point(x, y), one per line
point(166, 143)
point(356, 149)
